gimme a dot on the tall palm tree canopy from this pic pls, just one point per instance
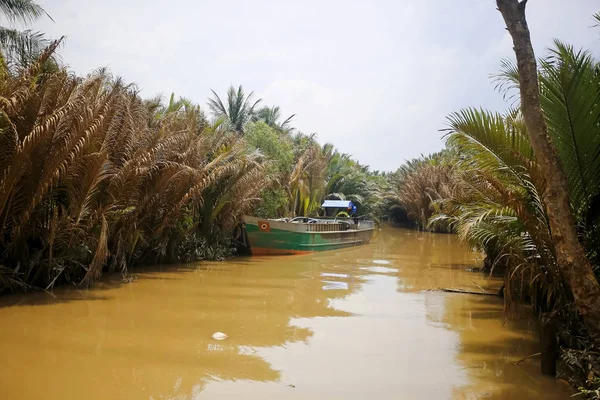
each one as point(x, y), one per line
point(20, 45)
point(238, 110)
point(272, 115)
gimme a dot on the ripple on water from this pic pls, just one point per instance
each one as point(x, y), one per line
point(382, 262)
point(333, 275)
point(380, 270)
point(335, 285)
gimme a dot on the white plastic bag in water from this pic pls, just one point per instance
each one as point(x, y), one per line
point(219, 336)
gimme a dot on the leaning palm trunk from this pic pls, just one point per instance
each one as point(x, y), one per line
point(573, 263)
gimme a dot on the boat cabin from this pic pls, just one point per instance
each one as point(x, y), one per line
point(339, 208)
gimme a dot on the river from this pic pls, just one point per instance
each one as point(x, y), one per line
point(352, 324)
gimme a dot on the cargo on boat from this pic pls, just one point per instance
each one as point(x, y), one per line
point(302, 235)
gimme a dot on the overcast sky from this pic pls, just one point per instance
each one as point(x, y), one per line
point(375, 78)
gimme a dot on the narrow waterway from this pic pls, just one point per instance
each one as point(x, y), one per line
point(351, 324)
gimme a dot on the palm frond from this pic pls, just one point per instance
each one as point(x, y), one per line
point(570, 97)
point(25, 11)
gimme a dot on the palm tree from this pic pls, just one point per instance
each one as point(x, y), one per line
point(501, 207)
point(574, 265)
point(306, 183)
point(349, 180)
point(239, 109)
point(420, 183)
point(569, 99)
point(181, 110)
point(20, 46)
point(93, 178)
point(271, 116)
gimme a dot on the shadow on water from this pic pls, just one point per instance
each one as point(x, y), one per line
point(65, 294)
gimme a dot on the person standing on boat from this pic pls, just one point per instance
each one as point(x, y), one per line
point(352, 212)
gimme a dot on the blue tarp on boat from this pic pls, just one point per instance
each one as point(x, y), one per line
point(337, 204)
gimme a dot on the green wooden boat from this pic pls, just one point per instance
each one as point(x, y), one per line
point(305, 235)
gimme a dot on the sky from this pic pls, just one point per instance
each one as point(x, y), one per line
point(375, 78)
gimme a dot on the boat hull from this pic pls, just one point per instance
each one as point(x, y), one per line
point(267, 237)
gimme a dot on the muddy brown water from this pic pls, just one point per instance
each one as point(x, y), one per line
point(351, 324)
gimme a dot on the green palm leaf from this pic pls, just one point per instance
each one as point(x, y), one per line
point(239, 110)
point(570, 98)
point(25, 11)
point(496, 142)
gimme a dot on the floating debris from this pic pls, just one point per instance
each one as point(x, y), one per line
point(219, 336)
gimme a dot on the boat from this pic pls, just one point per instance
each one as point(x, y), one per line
point(303, 235)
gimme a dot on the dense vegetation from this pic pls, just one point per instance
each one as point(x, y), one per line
point(489, 187)
point(301, 172)
point(95, 178)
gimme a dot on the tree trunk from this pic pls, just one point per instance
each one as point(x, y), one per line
point(548, 344)
point(574, 265)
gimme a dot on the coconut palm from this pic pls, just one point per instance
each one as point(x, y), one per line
point(349, 180)
point(16, 45)
point(306, 183)
point(271, 116)
point(240, 108)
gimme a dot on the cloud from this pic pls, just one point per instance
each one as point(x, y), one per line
point(377, 79)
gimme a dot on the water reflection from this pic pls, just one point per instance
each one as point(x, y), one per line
point(488, 345)
point(152, 338)
point(346, 324)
